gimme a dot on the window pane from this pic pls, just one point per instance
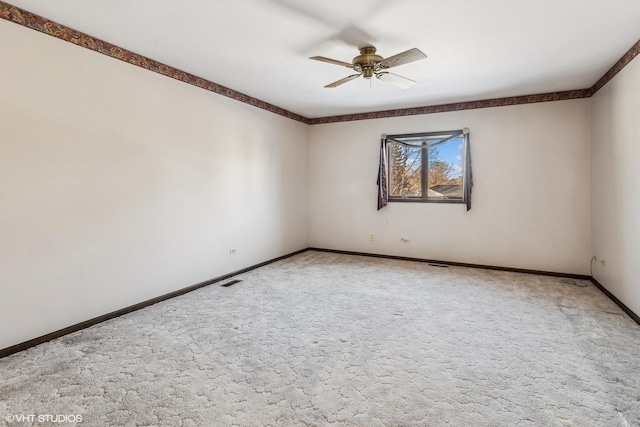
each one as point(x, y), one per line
point(428, 167)
point(405, 171)
point(445, 170)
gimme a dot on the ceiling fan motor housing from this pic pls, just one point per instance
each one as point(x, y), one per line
point(367, 62)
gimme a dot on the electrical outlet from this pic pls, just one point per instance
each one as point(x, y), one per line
point(232, 251)
point(372, 237)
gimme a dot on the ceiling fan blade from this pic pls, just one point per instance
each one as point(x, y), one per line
point(307, 11)
point(332, 61)
point(343, 81)
point(396, 80)
point(406, 57)
point(354, 36)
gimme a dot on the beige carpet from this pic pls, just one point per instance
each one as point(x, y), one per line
point(323, 339)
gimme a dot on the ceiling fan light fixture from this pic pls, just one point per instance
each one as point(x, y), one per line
point(368, 64)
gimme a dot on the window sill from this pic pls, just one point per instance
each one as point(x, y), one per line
point(416, 200)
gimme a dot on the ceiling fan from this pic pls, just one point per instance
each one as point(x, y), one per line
point(368, 64)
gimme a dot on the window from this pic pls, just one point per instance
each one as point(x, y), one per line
point(429, 167)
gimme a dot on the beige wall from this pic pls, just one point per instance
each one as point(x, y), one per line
point(615, 185)
point(530, 199)
point(118, 185)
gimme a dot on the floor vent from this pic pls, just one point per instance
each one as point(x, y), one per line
point(233, 282)
point(574, 283)
point(438, 265)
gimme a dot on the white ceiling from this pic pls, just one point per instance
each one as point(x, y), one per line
point(476, 49)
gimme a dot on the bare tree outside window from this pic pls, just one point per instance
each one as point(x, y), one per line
point(405, 174)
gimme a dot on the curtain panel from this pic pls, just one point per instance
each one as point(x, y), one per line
point(383, 191)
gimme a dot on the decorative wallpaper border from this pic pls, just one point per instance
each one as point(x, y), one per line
point(43, 25)
point(459, 106)
point(622, 62)
point(30, 20)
